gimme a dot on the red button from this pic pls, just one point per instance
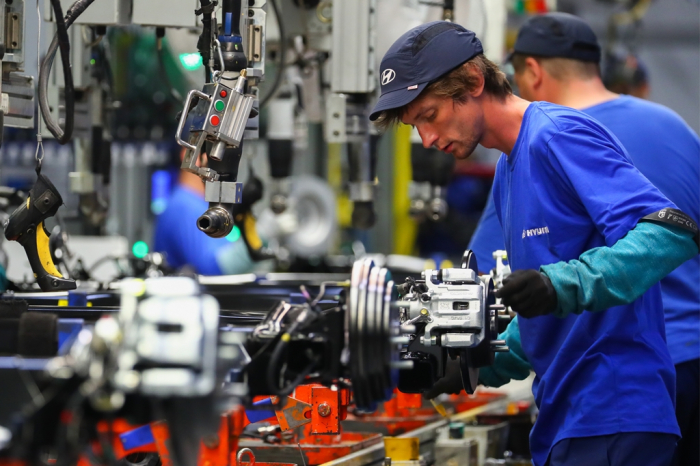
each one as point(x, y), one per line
point(214, 120)
point(223, 93)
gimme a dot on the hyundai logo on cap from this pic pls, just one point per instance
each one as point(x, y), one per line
point(388, 76)
point(419, 57)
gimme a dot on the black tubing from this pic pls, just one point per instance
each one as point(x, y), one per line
point(62, 24)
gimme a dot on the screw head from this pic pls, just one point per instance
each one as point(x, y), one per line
point(324, 410)
point(211, 441)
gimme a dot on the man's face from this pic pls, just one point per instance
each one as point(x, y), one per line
point(455, 128)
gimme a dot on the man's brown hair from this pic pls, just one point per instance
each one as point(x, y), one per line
point(455, 85)
point(559, 68)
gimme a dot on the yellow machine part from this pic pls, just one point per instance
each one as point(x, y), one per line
point(42, 247)
point(402, 449)
point(405, 228)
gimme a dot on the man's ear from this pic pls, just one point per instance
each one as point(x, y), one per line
point(478, 76)
point(535, 72)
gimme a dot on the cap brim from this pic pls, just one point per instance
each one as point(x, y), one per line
point(395, 99)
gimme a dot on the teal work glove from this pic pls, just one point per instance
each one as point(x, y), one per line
point(3, 279)
point(611, 276)
point(510, 365)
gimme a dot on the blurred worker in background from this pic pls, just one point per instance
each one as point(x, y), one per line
point(661, 145)
point(177, 235)
point(588, 240)
point(625, 73)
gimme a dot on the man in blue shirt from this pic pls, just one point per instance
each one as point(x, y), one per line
point(661, 146)
point(179, 238)
point(581, 227)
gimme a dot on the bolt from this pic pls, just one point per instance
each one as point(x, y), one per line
point(251, 13)
point(324, 409)
point(404, 364)
point(211, 441)
point(424, 311)
point(401, 340)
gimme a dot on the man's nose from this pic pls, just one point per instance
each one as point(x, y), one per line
point(428, 137)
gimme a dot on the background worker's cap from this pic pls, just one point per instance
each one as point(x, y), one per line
point(419, 57)
point(557, 35)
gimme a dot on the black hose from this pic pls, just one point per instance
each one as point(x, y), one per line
point(274, 361)
point(69, 90)
point(61, 36)
point(204, 42)
point(281, 64)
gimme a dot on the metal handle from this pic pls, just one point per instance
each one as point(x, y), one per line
point(183, 117)
point(245, 451)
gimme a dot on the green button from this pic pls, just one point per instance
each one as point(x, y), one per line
point(219, 105)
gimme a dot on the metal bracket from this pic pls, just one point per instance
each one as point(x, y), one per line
point(226, 192)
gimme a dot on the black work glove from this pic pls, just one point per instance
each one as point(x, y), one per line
point(529, 293)
point(451, 383)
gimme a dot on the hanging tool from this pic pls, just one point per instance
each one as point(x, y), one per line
point(26, 226)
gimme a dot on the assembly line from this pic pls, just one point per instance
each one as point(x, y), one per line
point(348, 232)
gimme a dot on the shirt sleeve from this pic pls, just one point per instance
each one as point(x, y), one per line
point(592, 164)
point(611, 276)
point(488, 237)
point(510, 365)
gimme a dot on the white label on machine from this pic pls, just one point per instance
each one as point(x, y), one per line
point(5, 103)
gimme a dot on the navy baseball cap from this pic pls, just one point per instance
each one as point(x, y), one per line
point(420, 57)
point(557, 35)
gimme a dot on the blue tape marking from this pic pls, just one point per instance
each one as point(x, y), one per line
point(68, 329)
point(137, 438)
point(257, 416)
point(227, 24)
point(77, 298)
point(232, 39)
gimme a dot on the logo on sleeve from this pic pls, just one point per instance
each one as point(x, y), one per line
point(388, 76)
point(536, 231)
point(662, 214)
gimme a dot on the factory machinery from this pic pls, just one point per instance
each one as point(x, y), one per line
point(275, 369)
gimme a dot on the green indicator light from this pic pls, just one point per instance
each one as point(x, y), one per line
point(219, 106)
point(234, 235)
point(92, 61)
point(191, 61)
point(140, 249)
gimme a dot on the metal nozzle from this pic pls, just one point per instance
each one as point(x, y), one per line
point(217, 151)
point(216, 222)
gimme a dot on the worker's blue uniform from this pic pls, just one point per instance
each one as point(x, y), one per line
point(179, 238)
point(664, 148)
point(567, 187)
